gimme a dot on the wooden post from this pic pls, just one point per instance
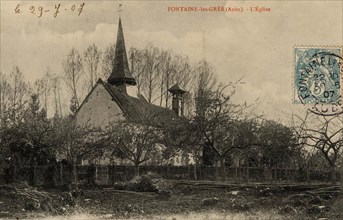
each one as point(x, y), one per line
point(61, 174)
point(248, 173)
point(341, 174)
point(307, 172)
point(195, 171)
point(236, 173)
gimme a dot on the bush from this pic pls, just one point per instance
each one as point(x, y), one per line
point(142, 184)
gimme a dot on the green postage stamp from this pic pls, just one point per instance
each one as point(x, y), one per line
point(317, 75)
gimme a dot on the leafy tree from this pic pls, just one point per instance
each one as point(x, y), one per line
point(28, 142)
point(278, 144)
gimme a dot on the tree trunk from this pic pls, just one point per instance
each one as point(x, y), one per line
point(168, 170)
point(74, 173)
point(222, 169)
point(189, 171)
point(248, 174)
point(333, 174)
point(308, 173)
point(216, 171)
point(340, 175)
point(195, 171)
point(236, 173)
point(137, 169)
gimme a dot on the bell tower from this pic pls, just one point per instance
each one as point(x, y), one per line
point(177, 101)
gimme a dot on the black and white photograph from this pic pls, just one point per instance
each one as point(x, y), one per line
point(171, 109)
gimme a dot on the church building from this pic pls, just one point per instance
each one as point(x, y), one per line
point(109, 101)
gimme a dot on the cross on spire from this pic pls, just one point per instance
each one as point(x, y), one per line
point(119, 9)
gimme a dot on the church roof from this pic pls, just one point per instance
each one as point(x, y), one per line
point(121, 73)
point(138, 109)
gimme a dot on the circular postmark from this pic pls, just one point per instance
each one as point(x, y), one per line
point(318, 78)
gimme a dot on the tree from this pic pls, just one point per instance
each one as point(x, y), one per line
point(72, 67)
point(278, 144)
point(56, 88)
point(136, 58)
point(218, 124)
point(28, 142)
point(136, 142)
point(76, 142)
point(107, 62)
point(42, 87)
point(91, 60)
point(205, 82)
point(18, 95)
point(5, 91)
point(167, 71)
point(324, 133)
point(152, 60)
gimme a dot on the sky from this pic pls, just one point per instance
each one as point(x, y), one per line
point(256, 45)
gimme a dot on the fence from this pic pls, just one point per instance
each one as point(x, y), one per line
point(61, 174)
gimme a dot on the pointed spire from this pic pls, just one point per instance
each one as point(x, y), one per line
point(121, 74)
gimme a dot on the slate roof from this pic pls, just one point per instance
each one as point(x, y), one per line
point(138, 110)
point(176, 89)
point(121, 73)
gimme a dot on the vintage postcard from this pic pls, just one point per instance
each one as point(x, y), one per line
point(187, 109)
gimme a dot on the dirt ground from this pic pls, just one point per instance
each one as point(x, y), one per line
point(185, 199)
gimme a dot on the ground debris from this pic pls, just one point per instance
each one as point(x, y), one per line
point(30, 199)
point(288, 210)
point(316, 209)
point(210, 201)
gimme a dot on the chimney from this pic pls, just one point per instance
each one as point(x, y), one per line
point(177, 101)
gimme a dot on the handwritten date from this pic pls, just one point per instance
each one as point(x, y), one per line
point(39, 11)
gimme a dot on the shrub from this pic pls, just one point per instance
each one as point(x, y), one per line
point(142, 184)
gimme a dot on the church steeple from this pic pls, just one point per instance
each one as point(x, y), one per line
point(121, 75)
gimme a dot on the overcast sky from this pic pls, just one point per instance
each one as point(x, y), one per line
point(257, 45)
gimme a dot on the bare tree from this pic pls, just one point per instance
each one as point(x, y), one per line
point(91, 60)
point(56, 88)
point(221, 126)
point(72, 67)
point(167, 71)
point(18, 95)
point(135, 142)
point(5, 91)
point(138, 67)
point(205, 82)
point(76, 142)
point(152, 61)
point(324, 133)
point(42, 87)
point(107, 62)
